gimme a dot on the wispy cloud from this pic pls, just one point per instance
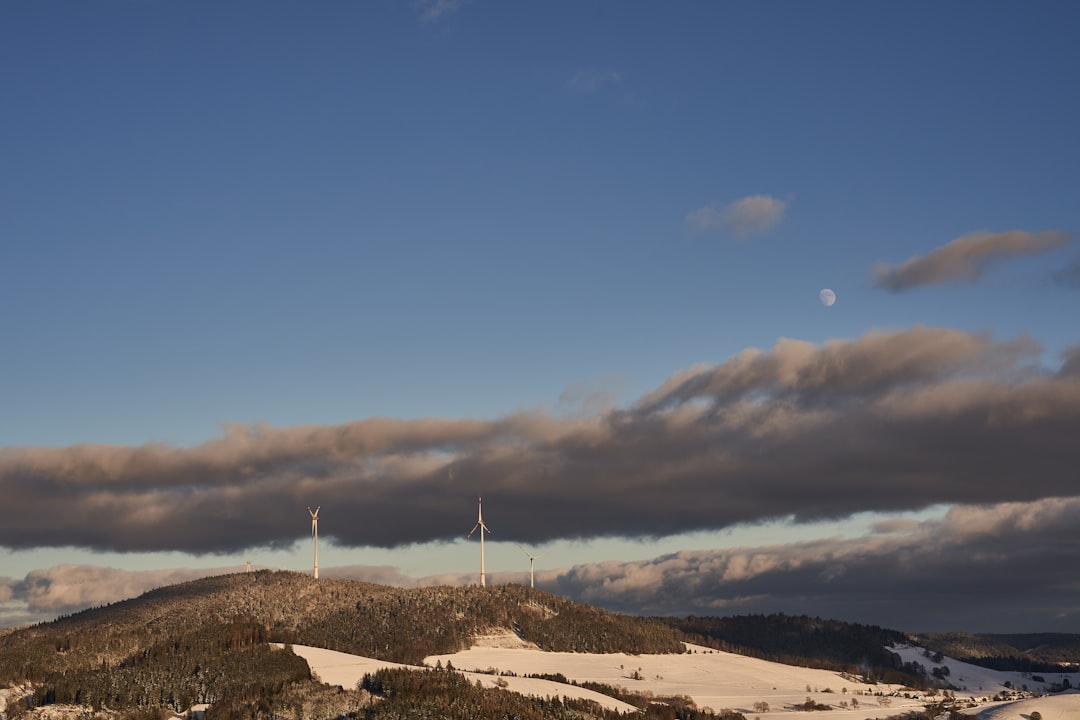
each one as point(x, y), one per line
point(965, 259)
point(885, 422)
point(435, 10)
point(590, 80)
point(1069, 276)
point(753, 215)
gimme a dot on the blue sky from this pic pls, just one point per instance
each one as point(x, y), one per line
point(300, 215)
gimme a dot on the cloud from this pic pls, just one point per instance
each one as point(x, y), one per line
point(589, 80)
point(1069, 276)
point(68, 588)
point(886, 422)
point(753, 215)
point(1003, 567)
point(965, 259)
point(435, 10)
point(1000, 568)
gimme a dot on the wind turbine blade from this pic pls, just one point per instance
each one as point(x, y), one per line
point(473, 530)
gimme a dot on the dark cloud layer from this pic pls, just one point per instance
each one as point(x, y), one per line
point(997, 568)
point(889, 421)
point(1007, 567)
point(965, 258)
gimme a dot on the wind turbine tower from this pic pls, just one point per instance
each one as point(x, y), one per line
point(483, 528)
point(532, 559)
point(315, 534)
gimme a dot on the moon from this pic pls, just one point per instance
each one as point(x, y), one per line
point(828, 297)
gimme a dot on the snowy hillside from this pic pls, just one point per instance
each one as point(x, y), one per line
point(973, 680)
point(712, 679)
point(1064, 706)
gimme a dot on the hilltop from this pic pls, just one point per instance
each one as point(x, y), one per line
point(379, 621)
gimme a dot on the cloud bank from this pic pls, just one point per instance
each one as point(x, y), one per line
point(965, 259)
point(1006, 567)
point(890, 421)
point(753, 215)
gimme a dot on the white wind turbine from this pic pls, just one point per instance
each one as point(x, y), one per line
point(483, 528)
point(532, 559)
point(315, 534)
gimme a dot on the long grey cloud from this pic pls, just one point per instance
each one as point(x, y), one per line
point(989, 568)
point(889, 421)
point(965, 259)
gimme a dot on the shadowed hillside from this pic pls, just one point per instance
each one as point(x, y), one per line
point(807, 641)
point(1032, 652)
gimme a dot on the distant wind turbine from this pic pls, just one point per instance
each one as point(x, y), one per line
point(532, 559)
point(483, 528)
point(315, 534)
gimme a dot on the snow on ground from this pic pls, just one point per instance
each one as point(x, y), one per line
point(1063, 706)
point(711, 678)
point(336, 668)
point(981, 682)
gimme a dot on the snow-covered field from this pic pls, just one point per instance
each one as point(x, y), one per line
point(975, 681)
point(1064, 706)
point(712, 679)
point(335, 668)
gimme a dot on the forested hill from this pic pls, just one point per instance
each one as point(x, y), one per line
point(806, 641)
point(397, 624)
point(1033, 652)
point(207, 641)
